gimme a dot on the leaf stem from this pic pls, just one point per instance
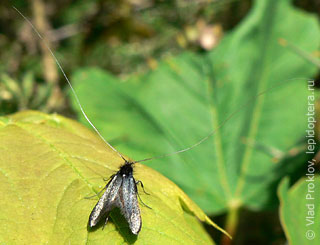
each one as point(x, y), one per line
point(232, 221)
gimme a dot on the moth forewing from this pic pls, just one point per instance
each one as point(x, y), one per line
point(128, 202)
point(106, 202)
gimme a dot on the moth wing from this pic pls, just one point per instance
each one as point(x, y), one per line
point(107, 200)
point(127, 201)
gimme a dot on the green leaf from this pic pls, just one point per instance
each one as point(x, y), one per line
point(189, 96)
point(299, 213)
point(49, 164)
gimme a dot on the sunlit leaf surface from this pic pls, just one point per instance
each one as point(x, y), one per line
point(49, 164)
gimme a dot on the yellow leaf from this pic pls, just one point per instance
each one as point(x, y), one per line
point(49, 164)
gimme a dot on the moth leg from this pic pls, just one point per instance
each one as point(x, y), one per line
point(105, 222)
point(106, 179)
point(140, 182)
point(96, 195)
point(142, 201)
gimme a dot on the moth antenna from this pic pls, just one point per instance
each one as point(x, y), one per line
point(68, 81)
point(221, 125)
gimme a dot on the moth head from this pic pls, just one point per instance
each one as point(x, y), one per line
point(126, 169)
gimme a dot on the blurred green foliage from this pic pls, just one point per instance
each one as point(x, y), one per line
point(186, 97)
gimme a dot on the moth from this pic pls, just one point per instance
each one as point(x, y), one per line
point(121, 192)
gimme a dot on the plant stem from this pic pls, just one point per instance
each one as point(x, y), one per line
point(49, 66)
point(232, 221)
